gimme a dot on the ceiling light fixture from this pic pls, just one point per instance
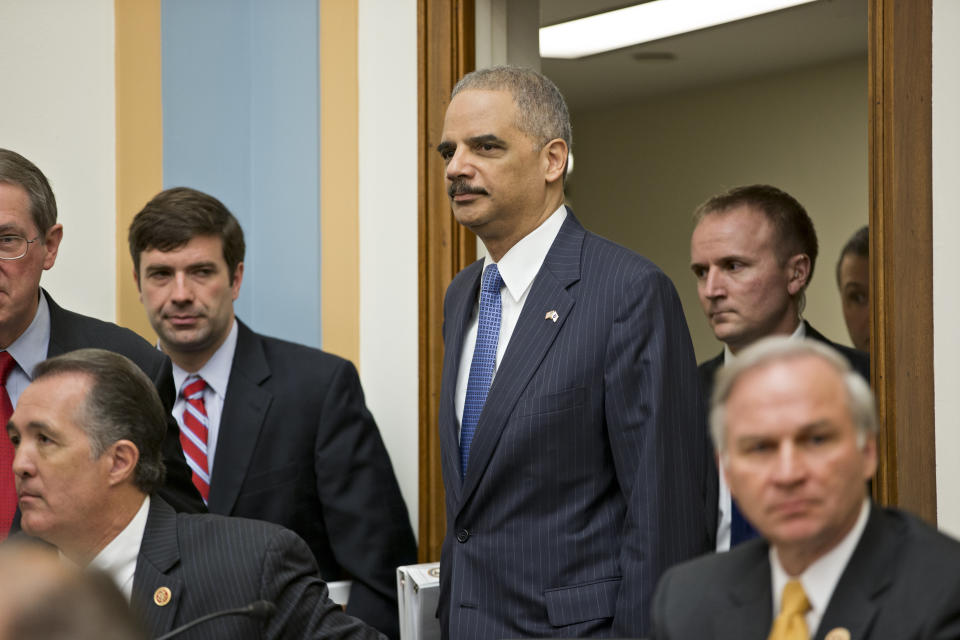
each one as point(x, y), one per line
point(646, 22)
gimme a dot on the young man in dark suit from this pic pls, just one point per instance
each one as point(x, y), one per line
point(34, 327)
point(570, 425)
point(753, 252)
point(273, 430)
point(87, 434)
point(796, 431)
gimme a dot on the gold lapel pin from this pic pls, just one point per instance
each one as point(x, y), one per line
point(552, 315)
point(162, 596)
point(838, 634)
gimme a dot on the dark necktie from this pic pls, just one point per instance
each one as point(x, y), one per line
point(483, 362)
point(740, 529)
point(8, 489)
point(194, 434)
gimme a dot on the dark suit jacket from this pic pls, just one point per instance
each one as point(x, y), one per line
point(211, 563)
point(859, 362)
point(298, 447)
point(901, 583)
point(70, 331)
point(584, 482)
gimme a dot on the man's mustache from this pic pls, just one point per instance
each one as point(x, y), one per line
point(460, 187)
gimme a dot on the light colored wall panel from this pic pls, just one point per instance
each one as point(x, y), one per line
point(946, 237)
point(58, 110)
point(642, 169)
point(387, 72)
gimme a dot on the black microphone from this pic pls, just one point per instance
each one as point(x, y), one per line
point(258, 609)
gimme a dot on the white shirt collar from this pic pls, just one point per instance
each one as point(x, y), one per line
point(30, 348)
point(820, 578)
point(520, 265)
point(799, 332)
point(119, 558)
point(216, 370)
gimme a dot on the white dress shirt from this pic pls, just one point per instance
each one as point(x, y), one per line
point(724, 499)
point(216, 373)
point(518, 268)
point(119, 558)
point(29, 350)
point(821, 578)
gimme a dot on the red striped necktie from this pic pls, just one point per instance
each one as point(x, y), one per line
point(8, 489)
point(193, 433)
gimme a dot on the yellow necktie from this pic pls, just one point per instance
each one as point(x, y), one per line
point(790, 624)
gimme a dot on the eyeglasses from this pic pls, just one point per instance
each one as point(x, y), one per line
point(13, 247)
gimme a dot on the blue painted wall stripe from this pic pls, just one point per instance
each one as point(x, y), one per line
point(241, 122)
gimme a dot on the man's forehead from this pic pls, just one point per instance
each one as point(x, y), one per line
point(786, 383)
point(475, 112)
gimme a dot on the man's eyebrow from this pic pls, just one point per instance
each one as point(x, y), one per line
point(6, 229)
point(445, 146)
point(487, 138)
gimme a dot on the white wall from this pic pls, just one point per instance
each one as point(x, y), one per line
point(57, 109)
point(946, 235)
point(388, 206)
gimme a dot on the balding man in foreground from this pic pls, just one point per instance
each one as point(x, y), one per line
point(87, 435)
point(795, 429)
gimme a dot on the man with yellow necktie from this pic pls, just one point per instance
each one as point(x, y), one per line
point(795, 429)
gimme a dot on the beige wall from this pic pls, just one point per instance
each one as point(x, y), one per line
point(641, 169)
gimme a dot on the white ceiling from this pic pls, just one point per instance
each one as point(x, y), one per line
point(806, 35)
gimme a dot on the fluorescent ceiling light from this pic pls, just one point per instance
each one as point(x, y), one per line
point(646, 22)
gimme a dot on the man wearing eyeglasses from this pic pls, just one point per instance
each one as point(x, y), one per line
point(33, 327)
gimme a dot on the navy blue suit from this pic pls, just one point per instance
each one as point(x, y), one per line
point(586, 477)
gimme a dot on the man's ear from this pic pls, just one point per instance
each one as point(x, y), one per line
point(51, 245)
point(124, 456)
point(136, 279)
point(554, 157)
point(798, 273)
point(237, 280)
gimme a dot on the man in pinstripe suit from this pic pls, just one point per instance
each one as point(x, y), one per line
point(577, 475)
point(87, 434)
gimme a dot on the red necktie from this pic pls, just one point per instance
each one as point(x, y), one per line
point(8, 489)
point(193, 434)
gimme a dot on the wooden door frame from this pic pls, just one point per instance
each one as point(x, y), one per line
point(901, 211)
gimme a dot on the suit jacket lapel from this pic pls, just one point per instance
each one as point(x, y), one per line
point(159, 554)
point(855, 600)
point(528, 345)
point(244, 410)
point(58, 338)
point(751, 609)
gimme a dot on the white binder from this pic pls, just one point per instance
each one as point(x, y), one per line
point(418, 589)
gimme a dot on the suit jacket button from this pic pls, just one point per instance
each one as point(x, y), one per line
point(463, 535)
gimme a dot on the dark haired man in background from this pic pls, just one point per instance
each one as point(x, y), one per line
point(272, 430)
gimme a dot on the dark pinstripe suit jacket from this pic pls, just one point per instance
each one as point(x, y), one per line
point(901, 583)
point(587, 470)
point(211, 563)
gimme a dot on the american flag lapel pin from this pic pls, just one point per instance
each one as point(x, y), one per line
point(552, 315)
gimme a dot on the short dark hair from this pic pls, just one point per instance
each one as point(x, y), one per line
point(175, 216)
point(17, 170)
point(858, 245)
point(122, 405)
point(791, 224)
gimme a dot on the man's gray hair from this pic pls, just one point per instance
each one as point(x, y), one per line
point(17, 170)
point(777, 349)
point(542, 111)
point(122, 405)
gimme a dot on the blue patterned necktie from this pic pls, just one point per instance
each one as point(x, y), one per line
point(484, 360)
